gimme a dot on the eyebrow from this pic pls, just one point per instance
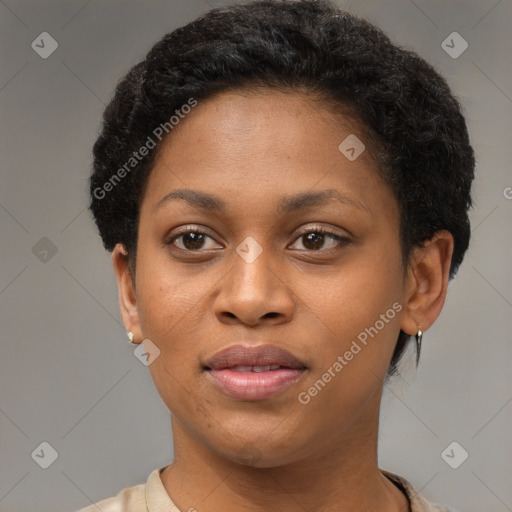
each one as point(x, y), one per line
point(286, 205)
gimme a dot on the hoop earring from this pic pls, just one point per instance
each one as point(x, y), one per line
point(130, 337)
point(419, 336)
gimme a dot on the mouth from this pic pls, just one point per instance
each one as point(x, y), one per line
point(257, 368)
point(252, 373)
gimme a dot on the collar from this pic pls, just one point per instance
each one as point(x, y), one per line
point(417, 503)
point(157, 499)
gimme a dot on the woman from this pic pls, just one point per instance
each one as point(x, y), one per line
point(285, 195)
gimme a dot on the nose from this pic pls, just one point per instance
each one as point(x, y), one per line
point(255, 292)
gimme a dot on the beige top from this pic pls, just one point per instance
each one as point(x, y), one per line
point(152, 497)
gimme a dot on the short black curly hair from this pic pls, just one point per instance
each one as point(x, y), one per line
point(416, 125)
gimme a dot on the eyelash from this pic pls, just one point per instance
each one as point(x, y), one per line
point(342, 241)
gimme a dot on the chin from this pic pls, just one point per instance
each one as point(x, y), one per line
point(259, 452)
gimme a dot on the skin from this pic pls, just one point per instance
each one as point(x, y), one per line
point(251, 150)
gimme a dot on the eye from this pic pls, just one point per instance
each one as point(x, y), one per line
point(191, 239)
point(314, 239)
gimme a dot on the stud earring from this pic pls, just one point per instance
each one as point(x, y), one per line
point(130, 336)
point(419, 336)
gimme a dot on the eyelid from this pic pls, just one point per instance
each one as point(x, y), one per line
point(195, 228)
point(325, 230)
point(341, 239)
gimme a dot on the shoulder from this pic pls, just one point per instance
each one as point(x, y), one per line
point(418, 502)
point(150, 495)
point(129, 499)
point(437, 507)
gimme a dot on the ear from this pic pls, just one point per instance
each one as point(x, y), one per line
point(127, 294)
point(427, 282)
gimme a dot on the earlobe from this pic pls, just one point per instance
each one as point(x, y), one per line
point(427, 282)
point(126, 289)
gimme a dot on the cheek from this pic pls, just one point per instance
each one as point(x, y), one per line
point(353, 297)
point(357, 325)
point(167, 295)
point(356, 317)
point(169, 307)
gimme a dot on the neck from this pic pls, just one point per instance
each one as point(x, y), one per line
point(342, 477)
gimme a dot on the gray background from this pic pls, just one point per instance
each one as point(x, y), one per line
point(68, 376)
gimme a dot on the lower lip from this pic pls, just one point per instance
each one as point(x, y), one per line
point(254, 386)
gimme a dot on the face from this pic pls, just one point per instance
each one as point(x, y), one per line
point(297, 246)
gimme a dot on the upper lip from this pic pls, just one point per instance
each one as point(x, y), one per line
point(260, 355)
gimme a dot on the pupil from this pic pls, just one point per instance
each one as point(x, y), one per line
point(316, 239)
point(196, 240)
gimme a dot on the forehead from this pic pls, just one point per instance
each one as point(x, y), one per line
point(238, 143)
point(268, 118)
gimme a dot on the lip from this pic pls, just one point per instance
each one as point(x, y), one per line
point(229, 371)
